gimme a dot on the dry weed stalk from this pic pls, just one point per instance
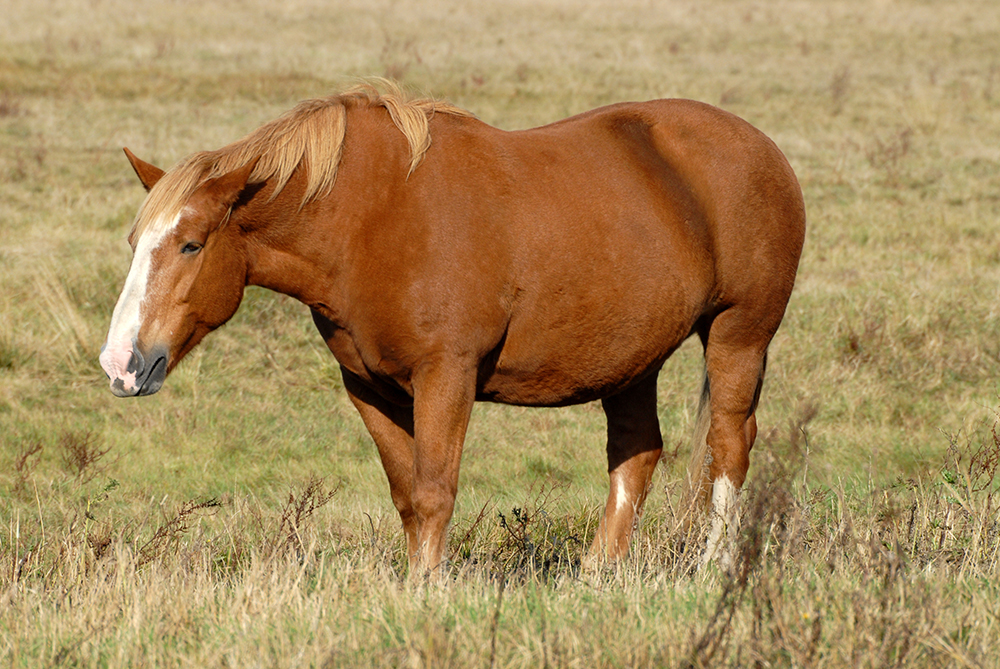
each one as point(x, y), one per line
point(166, 539)
point(26, 459)
point(533, 544)
point(81, 452)
point(298, 508)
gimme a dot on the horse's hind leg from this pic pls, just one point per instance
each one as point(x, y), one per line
point(735, 355)
point(634, 447)
point(391, 427)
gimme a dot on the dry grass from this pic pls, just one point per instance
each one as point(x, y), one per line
point(903, 575)
point(200, 527)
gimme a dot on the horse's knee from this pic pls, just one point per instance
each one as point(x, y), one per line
point(430, 502)
point(404, 506)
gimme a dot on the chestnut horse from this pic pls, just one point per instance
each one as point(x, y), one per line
point(446, 261)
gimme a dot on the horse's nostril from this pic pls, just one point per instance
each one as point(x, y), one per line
point(136, 363)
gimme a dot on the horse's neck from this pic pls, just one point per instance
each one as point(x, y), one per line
point(301, 250)
point(290, 248)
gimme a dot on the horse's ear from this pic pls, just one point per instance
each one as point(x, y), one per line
point(226, 189)
point(148, 174)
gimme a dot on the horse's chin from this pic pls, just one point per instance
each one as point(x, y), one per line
point(118, 389)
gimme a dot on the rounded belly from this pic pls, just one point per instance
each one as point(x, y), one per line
point(561, 362)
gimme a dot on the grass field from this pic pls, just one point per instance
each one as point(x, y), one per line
point(241, 518)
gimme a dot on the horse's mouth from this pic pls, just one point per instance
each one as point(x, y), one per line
point(157, 374)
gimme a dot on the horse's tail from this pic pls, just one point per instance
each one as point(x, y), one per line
point(696, 484)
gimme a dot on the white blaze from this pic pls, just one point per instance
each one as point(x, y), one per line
point(127, 317)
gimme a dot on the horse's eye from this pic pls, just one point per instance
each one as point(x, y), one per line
point(190, 248)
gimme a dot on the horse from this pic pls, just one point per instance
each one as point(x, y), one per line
point(446, 262)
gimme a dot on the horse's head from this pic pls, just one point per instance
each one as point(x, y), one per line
point(187, 278)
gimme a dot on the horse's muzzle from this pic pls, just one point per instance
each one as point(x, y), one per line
point(143, 375)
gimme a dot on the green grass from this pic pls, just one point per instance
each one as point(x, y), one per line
point(881, 390)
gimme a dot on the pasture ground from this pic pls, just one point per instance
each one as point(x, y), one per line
point(240, 517)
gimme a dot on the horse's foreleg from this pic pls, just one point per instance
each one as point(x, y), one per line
point(443, 396)
point(634, 447)
point(391, 426)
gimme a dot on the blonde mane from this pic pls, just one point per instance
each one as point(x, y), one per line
point(310, 135)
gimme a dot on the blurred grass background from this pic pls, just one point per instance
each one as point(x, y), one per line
point(889, 111)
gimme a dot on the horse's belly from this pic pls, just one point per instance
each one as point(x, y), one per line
point(569, 365)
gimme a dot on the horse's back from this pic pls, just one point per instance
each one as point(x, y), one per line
point(674, 177)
